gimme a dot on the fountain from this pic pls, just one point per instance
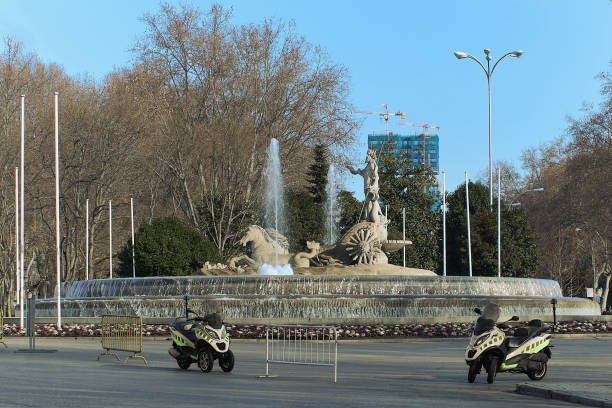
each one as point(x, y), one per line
point(348, 281)
point(274, 208)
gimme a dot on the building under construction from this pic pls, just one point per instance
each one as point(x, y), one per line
point(422, 148)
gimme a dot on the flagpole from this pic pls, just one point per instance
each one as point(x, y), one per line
point(110, 239)
point(17, 269)
point(21, 223)
point(467, 209)
point(57, 216)
point(87, 239)
point(443, 223)
point(133, 257)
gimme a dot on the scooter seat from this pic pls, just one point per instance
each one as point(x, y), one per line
point(522, 334)
point(516, 341)
point(534, 328)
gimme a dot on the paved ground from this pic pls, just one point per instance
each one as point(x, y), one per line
point(414, 373)
point(597, 395)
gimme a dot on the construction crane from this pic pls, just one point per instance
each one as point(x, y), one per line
point(426, 127)
point(385, 115)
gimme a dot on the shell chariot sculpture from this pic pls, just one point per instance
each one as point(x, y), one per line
point(365, 243)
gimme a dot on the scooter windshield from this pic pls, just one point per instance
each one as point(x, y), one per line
point(491, 312)
point(214, 320)
point(487, 319)
point(483, 325)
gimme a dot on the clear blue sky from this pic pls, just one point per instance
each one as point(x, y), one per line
point(397, 52)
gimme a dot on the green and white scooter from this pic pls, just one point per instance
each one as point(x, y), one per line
point(201, 340)
point(526, 352)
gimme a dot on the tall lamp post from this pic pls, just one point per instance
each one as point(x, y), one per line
point(489, 72)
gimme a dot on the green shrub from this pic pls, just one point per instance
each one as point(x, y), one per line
point(167, 247)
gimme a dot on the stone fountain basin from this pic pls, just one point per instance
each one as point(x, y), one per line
point(315, 298)
point(393, 245)
point(309, 285)
point(322, 309)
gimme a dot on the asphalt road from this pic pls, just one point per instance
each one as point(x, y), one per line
point(413, 373)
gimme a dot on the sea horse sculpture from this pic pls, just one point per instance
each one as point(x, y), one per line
point(264, 248)
point(302, 259)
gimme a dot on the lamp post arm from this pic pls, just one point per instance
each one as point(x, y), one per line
point(499, 60)
point(479, 63)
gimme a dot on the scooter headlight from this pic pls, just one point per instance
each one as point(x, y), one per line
point(212, 334)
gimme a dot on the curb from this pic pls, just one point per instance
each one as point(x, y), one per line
point(364, 340)
point(398, 339)
point(567, 396)
point(580, 335)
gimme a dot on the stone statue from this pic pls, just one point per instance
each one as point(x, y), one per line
point(365, 243)
point(263, 248)
point(302, 259)
point(370, 188)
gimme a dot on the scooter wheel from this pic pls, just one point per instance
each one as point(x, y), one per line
point(473, 371)
point(491, 369)
point(226, 361)
point(205, 360)
point(183, 363)
point(537, 375)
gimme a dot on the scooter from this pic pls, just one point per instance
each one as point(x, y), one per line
point(202, 340)
point(526, 352)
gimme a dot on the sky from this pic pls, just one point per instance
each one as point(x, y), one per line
point(396, 52)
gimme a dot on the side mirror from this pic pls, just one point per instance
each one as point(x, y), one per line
point(514, 318)
point(477, 310)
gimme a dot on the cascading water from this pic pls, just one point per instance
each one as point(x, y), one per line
point(274, 207)
point(314, 299)
point(330, 205)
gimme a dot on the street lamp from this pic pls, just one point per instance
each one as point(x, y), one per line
point(489, 72)
point(534, 190)
point(592, 235)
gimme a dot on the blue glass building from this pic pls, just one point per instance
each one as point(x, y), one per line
point(423, 149)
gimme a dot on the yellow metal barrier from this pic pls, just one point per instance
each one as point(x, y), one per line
point(122, 333)
point(2, 326)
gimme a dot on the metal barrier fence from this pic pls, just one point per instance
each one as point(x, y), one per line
point(2, 325)
point(302, 345)
point(122, 333)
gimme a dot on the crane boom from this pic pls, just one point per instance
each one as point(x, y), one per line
point(384, 115)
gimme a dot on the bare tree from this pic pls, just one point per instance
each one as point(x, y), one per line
point(183, 130)
point(576, 173)
point(223, 93)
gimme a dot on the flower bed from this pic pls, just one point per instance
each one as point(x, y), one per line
point(344, 331)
